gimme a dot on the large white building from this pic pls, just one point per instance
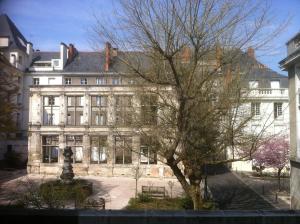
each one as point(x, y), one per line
point(269, 105)
point(292, 64)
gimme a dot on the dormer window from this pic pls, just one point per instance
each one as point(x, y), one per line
point(68, 81)
point(275, 84)
point(83, 81)
point(253, 84)
point(36, 81)
point(56, 63)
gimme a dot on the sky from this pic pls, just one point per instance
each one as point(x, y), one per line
point(47, 23)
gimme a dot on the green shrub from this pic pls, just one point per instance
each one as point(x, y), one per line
point(186, 203)
point(144, 197)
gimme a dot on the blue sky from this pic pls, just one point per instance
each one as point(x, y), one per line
point(46, 23)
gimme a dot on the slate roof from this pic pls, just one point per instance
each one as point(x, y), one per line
point(44, 56)
point(93, 62)
point(9, 29)
point(265, 75)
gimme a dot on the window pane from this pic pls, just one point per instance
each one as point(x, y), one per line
point(98, 149)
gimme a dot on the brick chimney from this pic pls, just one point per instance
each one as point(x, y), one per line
point(71, 51)
point(186, 54)
point(251, 52)
point(218, 56)
point(107, 56)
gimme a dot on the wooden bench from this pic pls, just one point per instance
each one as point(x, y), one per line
point(154, 192)
point(98, 204)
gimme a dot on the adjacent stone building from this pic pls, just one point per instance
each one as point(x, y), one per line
point(18, 51)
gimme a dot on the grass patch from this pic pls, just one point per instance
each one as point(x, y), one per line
point(143, 202)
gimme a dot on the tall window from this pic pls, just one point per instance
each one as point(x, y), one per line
point(83, 81)
point(75, 142)
point(149, 109)
point(36, 81)
point(98, 149)
point(68, 81)
point(75, 110)
point(50, 110)
point(148, 150)
point(20, 60)
point(123, 148)
point(277, 110)
point(99, 110)
point(101, 81)
point(50, 149)
point(123, 110)
point(255, 109)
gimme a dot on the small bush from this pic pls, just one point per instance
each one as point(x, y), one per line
point(144, 197)
point(186, 203)
point(55, 194)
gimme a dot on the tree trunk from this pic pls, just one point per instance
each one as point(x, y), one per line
point(278, 176)
point(195, 194)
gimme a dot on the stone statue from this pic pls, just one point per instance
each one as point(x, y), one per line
point(67, 174)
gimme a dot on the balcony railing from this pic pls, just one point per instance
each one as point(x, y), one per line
point(268, 92)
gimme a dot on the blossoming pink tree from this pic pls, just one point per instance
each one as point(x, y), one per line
point(273, 153)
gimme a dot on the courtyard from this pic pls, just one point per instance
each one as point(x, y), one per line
point(232, 191)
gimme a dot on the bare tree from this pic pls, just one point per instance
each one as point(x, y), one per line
point(188, 54)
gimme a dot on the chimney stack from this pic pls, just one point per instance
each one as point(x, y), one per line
point(71, 52)
point(63, 54)
point(29, 51)
point(251, 52)
point(218, 56)
point(186, 54)
point(107, 56)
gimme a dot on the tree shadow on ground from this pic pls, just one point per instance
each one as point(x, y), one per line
point(232, 194)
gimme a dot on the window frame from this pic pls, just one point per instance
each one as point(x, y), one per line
point(76, 108)
point(123, 110)
point(75, 142)
point(255, 109)
point(36, 81)
point(52, 105)
point(99, 109)
point(49, 148)
point(99, 144)
point(68, 81)
point(83, 81)
point(278, 112)
point(149, 109)
point(124, 140)
point(149, 145)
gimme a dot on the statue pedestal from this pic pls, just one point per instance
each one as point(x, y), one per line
point(67, 174)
